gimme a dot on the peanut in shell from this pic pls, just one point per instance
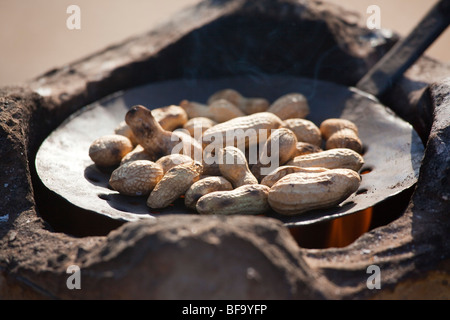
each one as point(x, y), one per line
point(136, 178)
point(204, 186)
point(330, 159)
point(280, 172)
point(109, 150)
point(305, 130)
point(300, 192)
point(174, 184)
point(245, 200)
point(291, 105)
point(234, 167)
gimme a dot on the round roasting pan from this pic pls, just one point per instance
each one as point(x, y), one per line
point(393, 150)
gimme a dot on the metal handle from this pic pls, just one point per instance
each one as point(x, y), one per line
point(404, 53)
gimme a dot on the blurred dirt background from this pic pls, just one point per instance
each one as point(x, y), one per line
point(34, 37)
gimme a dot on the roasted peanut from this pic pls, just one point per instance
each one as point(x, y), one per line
point(173, 160)
point(162, 164)
point(201, 124)
point(234, 167)
point(228, 94)
point(204, 186)
point(174, 184)
point(223, 110)
point(248, 200)
point(138, 153)
point(242, 130)
point(303, 148)
point(246, 104)
point(219, 111)
point(124, 130)
point(195, 109)
point(305, 130)
point(254, 105)
point(341, 133)
point(332, 125)
point(345, 138)
point(300, 192)
point(289, 106)
point(170, 117)
point(270, 179)
point(156, 141)
point(109, 150)
point(210, 164)
point(280, 147)
point(186, 144)
point(330, 159)
point(136, 178)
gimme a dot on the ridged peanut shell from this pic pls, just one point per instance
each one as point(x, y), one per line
point(297, 193)
point(254, 105)
point(332, 125)
point(230, 95)
point(198, 125)
point(345, 138)
point(148, 132)
point(330, 159)
point(136, 178)
point(223, 110)
point(234, 167)
point(109, 150)
point(210, 164)
point(242, 128)
point(305, 130)
point(138, 153)
point(204, 186)
point(219, 111)
point(124, 130)
point(303, 148)
point(280, 172)
point(173, 160)
point(245, 200)
point(248, 105)
point(156, 141)
point(170, 117)
point(174, 184)
point(278, 149)
point(195, 109)
point(288, 106)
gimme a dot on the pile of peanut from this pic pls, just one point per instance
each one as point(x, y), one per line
point(317, 165)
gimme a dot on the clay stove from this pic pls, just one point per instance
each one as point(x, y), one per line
point(194, 257)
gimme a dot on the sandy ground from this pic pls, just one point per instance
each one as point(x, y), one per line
point(34, 37)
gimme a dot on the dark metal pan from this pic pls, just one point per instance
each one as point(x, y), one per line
point(393, 150)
